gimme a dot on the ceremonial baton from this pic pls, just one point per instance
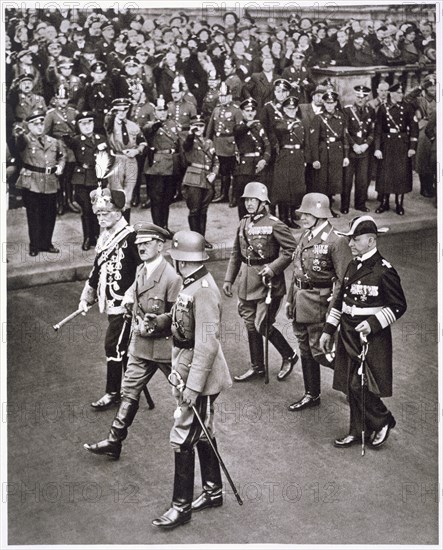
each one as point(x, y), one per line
point(362, 373)
point(181, 386)
point(268, 300)
point(70, 317)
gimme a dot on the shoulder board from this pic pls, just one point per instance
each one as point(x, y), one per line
point(271, 217)
point(247, 79)
point(348, 106)
point(386, 263)
point(205, 283)
point(50, 110)
point(97, 136)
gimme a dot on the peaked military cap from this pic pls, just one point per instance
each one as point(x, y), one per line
point(197, 120)
point(395, 88)
point(290, 101)
point(330, 97)
point(361, 91)
point(283, 83)
point(248, 104)
point(35, 115)
point(121, 103)
point(98, 67)
point(147, 232)
point(85, 115)
point(24, 77)
point(131, 60)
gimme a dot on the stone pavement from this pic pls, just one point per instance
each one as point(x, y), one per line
point(73, 264)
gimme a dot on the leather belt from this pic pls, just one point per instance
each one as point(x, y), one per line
point(201, 166)
point(305, 285)
point(255, 261)
point(182, 344)
point(164, 151)
point(296, 146)
point(250, 154)
point(48, 170)
point(331, 140)
point(354, 311)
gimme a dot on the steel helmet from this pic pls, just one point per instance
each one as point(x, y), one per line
point(256, 190)
point(315, 204)
point(188, 246)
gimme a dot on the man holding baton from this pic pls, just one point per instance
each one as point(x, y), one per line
point(199, 374)
point(112, 274)
point(262, 250)
point(371, 298)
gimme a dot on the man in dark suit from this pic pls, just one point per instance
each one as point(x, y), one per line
point(370, 299)
point(155, 290)
point(260, 86)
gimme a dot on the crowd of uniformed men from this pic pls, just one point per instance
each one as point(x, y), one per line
point(180, 110)
point(141, 87)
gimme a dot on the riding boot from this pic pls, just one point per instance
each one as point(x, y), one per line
point(311, 379)
point(60, 202)
point(257, 369)
point(156, 214)
point(289, 356)
point(225, 183)
point(333, 212)
point(181, 506)
point(202, 231)
point(232, 197)
point(384, 205)
point(194, 222)
point(86, 233)
point(399, 204)
point(283, 212)
point(212, 494)
point(119, 430)
point(292, 220)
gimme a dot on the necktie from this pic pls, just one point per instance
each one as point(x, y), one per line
point(125, 136)
point(41, 140)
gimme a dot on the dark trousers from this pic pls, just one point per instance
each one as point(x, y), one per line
point(116, 349)
point(198, 200)
point(161, 190)
point(376, 414)
point(227, 165)
point(91, 228)
point(239, 185)
point(41, 212)
point(358, 167)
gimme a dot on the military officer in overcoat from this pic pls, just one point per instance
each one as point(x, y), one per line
point(98, 94)
point(369, 301)
point(262, 250)
point(85, 146)
point(198, 182)
point(162, 163)
point(154, 292)
point(43, 160)
point(288, 186)
point(320, 261)
point(254, 152)
point(112, 274)
point(220, 130)
point(271, 112)
point(60, 121)
point(329, 147)
point(198, 362)
point(360, 122)
point(396, 136)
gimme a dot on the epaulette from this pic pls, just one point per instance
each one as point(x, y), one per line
point(347, 106)
point(205, 283)
point(247, 79)
point(271, 217)
point(386, 263)
point(50, 110)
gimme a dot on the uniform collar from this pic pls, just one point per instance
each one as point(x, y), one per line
point(200, 272)
point(366, 255)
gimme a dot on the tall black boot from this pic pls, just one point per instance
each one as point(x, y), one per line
point(384, 205)
point(86, 233)
point(292, 219)
point(156, 214)
point(311, 379)
point(399, 205)
point(194, 222)
point(203, 221)
point(212, 494)
point(289, 356)
point(181, 506)
point(333, 212)
point(257, 369)
point(283, 213)
point(119, 430)
point(225, 183)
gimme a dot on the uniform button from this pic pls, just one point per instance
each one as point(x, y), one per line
point(344, 295)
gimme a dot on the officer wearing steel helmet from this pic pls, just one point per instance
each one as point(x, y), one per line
point(198, 360)
point(320, 261)
point(262, 250)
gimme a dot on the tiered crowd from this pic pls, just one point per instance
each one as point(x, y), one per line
point(178, 103)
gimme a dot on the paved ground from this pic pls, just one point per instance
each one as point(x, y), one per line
point(297, 488)
point(74, 264)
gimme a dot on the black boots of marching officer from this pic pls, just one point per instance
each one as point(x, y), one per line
point(257, 370)
point(181, 506)
point(224, 189)
point(212, 494)
point(311, 379)
point(112, 446)
point(384, 204)
point(399, 205)
point(334, 214)
point(197, 223)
